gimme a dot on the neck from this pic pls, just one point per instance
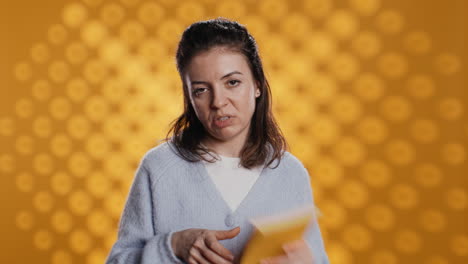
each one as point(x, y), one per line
point(231, 148)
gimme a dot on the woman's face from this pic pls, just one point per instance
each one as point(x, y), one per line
point(222, 92)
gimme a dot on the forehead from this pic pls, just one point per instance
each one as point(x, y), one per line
point(216, 62)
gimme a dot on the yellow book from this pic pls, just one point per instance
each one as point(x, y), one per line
point(271, 232)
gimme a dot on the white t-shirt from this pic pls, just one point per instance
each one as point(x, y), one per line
point(232, 180)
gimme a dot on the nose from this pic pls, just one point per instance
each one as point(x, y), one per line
point(219, 99)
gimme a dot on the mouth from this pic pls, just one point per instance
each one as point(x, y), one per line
point(223, 118)
point(222, 121)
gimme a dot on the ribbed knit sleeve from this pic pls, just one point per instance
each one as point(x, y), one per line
point(137, 240)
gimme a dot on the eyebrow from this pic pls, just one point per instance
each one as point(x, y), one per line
point(225, 76)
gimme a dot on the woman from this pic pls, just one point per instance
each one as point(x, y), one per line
point(193, 195)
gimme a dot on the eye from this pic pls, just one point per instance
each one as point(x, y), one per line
point(198, 91)
point(233, 82)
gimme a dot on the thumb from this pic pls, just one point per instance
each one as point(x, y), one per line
point(225, 234)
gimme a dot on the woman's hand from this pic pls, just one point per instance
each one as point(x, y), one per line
point(201, 245)
point(297, 252)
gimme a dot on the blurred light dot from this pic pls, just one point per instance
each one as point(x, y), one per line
point(74, 14)
point(62, 221)
point(231, 9)
point(80, 202)
point(318, 8)
point(345, 108)
point(61, 257)
point(383, 256)
point(98, 146)
point(390, 21)
point(43, 163)
point(447, 63)
point(457, 198)
point(407, 241)
point(368, 87)
point(114, 203)
point(453, 153)
point(129, 2)
point(396, 108)
point(428, 175)
point(366, 44)
point(272, 10)
point(403, 196)
point(150, 13)
point(24, 107)
point(41, 90)
point(400, 152)
point(320, 45)
point(78, 126)
point(335, 214)
point(375, 173)
point(24, 220)
point(7, 163)
point(330, 172)
point(115, 127)
point(93, 33)
point(59, 71)
point(80, 241)
point(43, 201)
point(96, 256)
point(459, 245)
point(61, 183)
point(421, 86)
point(99, 223)
point(424, 131)
point(365, 7)
point(95, 71)
point(112, 14)
point(323, 89)
point(355, 189)
point(339, 254)
point(380, 217)
point(357, 237)
point(98, 184)
point(132, 33)
point(61, 145)
point(25, 182)
point(79, 164)
point(22, 71)
point(43, 239)
point(417, 42)
point(57, 34)
point(344, 66)
point(96, 108)
point(60, 108)
point(349, 151)
point(436, 260)
point(76, 53)
point(325, 130)
point(372, 130)
point(7, 126)
point(392, 65)
point(450, 108)
point(432, 220)
point(342, 23)
point(40, 53)
point(114, 50)
point(77, 89)
point(165, 31)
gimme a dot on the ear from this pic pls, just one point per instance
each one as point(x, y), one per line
point(257, 90)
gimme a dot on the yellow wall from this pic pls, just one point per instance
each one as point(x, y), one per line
point(371, 95)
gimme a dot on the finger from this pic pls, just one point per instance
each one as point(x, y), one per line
point(213, 257)
point(217, 247)
point(283, 259)
point(197, 256)
point(294, 245)
point(226, 234)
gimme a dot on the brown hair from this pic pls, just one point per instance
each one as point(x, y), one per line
point(265, 142)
